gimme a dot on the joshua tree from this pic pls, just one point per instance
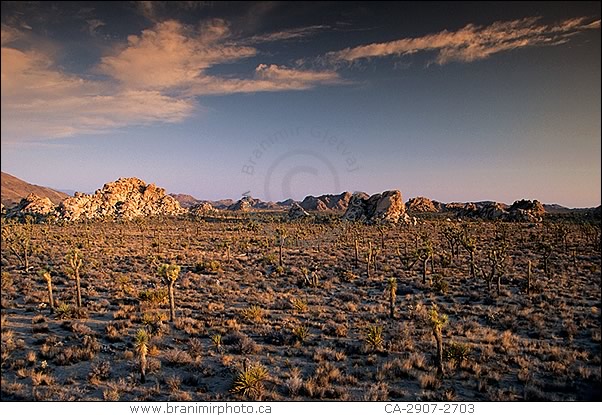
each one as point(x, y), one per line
point(74, 258)
point(425, 252)
point(452, 235)
point(281, 238)
point(369, 258)
point(547, 250)
point(48, 278)
point(529, 278)
point(169, 274)
point(381, 230)
point(18, 239)
point(392, 288)
point(470, 244)
point(141, 344)
point(497, 259)
point(436, 322)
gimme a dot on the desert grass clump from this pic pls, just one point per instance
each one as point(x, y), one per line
point(154, 297)
point(299, 304)
point(300, 333)
point(100, 371)
point(249, 381)
point(253, 313)
point(440, 285)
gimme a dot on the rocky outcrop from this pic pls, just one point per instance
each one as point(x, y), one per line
point(202, 209)
point(519, 211)
point(327, 202)
point(386, 207)
point(33, 205)
point(243, 205)
point(526, 211)
point(125, 198)
point(491, 211)
point(297, 212)
point(422, 205)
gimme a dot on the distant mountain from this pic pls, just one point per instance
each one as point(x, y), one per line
point(185, 201)
point(554, 208)
point(15, 189)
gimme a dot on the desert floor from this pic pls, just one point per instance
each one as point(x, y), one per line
point(316, 327)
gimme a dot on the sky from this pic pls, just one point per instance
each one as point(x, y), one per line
point(452, 101)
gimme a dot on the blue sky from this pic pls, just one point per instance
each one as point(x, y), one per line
point(455, 102)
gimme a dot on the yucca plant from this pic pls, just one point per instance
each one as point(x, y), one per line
point(216, 339)
point(141, 343)
point(249, 381)
point(169, 274)
point(374, 337)
point(436, 321)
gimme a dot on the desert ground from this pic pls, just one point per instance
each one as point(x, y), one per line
point(272, 309)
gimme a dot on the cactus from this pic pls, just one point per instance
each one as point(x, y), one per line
point(74, 258)
point(169, 274)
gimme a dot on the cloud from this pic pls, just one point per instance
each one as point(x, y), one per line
point(8, 34)
point(155, 77)
point(41, 102)
point(291, 34)
point(172, 57)
point(472, 42)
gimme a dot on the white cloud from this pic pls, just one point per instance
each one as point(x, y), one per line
point(471, 42)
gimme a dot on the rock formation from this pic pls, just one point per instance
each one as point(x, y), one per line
point(243, 205)
point(126, 198)
point(526, 211)
point(327, 202)
point(421, 205)
point(384, 207)
point(520, 211)
point(297, 212)
point(32, 205)
point(202, 209)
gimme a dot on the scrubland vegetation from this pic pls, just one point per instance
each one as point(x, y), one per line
point(251, 306)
